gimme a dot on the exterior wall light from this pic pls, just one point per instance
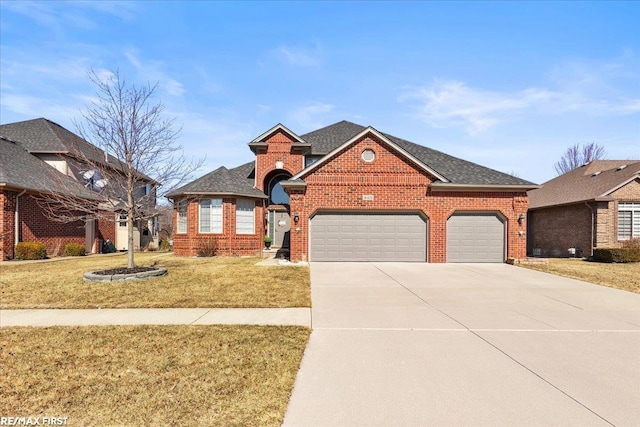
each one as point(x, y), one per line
point(521, 218)
point(296, 217)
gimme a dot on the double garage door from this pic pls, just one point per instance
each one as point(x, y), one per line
point(356, 236)
point(359, 236)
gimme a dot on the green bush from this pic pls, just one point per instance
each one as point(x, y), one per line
point(208, 248)
point(617, 255)
point(31, 250)
point(74, 249)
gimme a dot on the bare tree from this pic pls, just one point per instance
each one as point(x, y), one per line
point(577, 155)
point(139, 158)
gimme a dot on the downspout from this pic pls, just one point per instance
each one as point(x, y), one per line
point(16, 224)
point(592, 227)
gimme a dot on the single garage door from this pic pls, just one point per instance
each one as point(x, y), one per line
point(475, 238)
point(368, 237)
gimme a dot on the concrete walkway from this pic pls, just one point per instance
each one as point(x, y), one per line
point(157, 316)
point(474, 344)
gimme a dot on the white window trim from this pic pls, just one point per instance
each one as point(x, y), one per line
point(253, 216)
point(634, 208)
point(182, 209)
point(213, 229)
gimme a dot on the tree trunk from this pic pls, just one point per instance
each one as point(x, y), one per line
point(130, 217)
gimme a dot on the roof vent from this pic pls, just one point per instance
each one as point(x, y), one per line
point(586, 163)
point(621, 167)
point(596, 173)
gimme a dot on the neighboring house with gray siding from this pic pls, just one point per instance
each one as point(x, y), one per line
point(595, 205)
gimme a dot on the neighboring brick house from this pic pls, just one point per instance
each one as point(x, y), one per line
point(57, 149)
point(595, 205)
point(23, 180)
point(351, 193)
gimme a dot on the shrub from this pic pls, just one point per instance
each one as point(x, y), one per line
point(165, 245)
point(31, 250)
point(74, 249)
point(208, 248)
point(632, 243)
point(617, 255)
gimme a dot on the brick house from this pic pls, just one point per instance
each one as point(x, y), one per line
point(53, 154)
point(595, 205)
point(347, 192)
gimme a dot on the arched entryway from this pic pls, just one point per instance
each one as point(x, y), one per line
point(278, 217)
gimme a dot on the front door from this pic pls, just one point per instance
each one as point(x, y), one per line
point(281, 222)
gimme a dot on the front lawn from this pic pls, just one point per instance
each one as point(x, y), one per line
point(151, 375)
point(621, 276)
point(191, 282)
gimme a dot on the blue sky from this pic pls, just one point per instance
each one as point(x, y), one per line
point(506, 85)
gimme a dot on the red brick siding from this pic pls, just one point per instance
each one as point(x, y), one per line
point(35, 226)
point(7, 223)
point(229, 243)
point(396, 184)
point(106, 228)
point(555, 230)
point(278, 149)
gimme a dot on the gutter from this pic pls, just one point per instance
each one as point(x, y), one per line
point(445, 186)
point(16, 224)
point(592, 227)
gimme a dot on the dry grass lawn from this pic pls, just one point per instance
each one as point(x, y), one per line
point(151, 375)
point(621, 276)
point(191, 282)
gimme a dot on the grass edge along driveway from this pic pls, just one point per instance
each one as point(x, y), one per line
point(624, 276)
point(191, 282)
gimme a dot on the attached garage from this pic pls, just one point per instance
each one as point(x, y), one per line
point(475, 237)
point(357, 236)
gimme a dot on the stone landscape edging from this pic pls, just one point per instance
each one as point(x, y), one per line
point(107, 278)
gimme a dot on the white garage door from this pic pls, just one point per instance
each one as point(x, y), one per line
point(368, 237)
point(475, 238)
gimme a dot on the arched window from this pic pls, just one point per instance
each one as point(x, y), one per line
point(277, 195)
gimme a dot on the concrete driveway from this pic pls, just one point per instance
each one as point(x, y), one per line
point(466, 344)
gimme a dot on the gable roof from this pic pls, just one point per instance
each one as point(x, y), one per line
point(41, 178)
point(222, 182)
point(356, 137)
point(457, 172)
point(593, 181)
point(42, 136)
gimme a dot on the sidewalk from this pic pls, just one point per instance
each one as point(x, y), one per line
point(157, 316)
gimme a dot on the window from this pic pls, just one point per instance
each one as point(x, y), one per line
point(628, 221)
point(122, 220)
point(211, 216)
point(368, 155)
point(182, 217)
point(277, 195)
point(309, 160)
point(245, 218)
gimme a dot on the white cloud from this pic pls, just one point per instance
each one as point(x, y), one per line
point(308, 117)
point(453, 103)
point(58, 16)
point(299, 56)
point(449, 103)
point(153, 71)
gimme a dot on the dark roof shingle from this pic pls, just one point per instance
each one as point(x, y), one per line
point(456, 170)
point(222, 181)
point(23, 171)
